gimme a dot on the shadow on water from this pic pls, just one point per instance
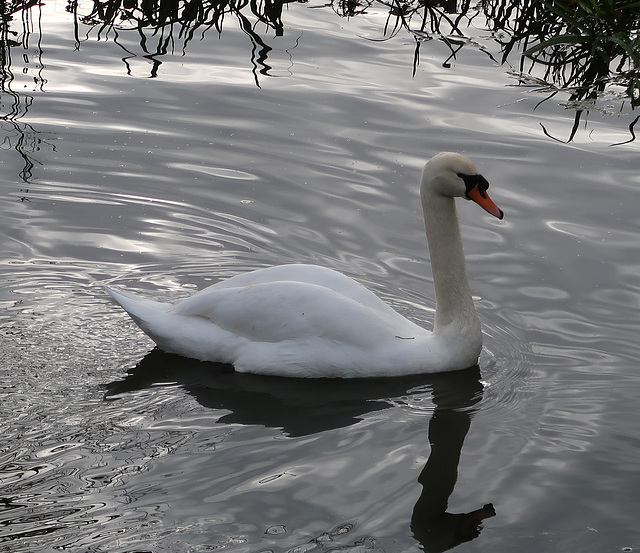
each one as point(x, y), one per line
point(302, 407)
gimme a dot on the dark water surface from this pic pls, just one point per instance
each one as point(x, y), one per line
point(164, 185)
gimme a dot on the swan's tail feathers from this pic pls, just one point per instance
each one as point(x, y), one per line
point(141, 310)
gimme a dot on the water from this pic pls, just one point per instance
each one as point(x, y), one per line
point(163, 185)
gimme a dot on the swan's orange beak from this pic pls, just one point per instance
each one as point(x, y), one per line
point(485, 202)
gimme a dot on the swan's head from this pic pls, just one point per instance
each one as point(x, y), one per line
point(454, 175)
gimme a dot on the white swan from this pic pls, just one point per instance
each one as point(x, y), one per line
point(310, 321)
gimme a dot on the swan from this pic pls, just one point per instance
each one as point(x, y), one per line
point(309, 321)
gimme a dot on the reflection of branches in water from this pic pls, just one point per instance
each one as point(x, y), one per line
point(432, 17)
point(578, 46)
point(582, 47)
point(22, 137)
point(632, 132)
point(169, 22)
point(24, 141)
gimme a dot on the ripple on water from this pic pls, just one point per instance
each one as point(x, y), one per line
point(70, 459)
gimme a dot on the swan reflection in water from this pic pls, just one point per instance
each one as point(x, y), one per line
point(303, 407)
point(434, 527)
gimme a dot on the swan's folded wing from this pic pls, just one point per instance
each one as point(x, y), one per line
point(278, 311)
point(309, 274)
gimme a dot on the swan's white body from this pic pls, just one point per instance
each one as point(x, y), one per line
point(310, 321)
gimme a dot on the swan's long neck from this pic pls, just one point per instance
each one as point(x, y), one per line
point(454, 304)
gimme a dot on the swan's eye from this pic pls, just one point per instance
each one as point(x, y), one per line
point(471, 181)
